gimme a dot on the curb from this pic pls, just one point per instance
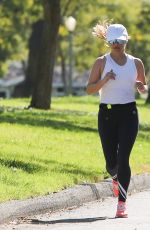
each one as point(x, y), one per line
point(70, 197)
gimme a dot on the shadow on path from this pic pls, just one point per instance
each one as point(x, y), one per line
point(77, 220)
point(70, 221)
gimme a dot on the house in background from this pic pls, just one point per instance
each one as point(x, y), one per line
point(11, 84)
point(13, 78)
point(78, 82)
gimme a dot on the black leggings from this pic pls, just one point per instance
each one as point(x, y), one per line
point(118, 127)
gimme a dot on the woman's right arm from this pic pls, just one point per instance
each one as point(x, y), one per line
point(95, 83)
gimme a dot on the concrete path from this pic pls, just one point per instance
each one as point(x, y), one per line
point(75, 196)
point(92, 216)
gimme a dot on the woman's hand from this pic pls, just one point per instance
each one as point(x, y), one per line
point(95, 83)
point(110, 75)
point(141, 87)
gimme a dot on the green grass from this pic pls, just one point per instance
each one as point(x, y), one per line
point(47, 151)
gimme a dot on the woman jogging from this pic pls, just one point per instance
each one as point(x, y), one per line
point(115, 76)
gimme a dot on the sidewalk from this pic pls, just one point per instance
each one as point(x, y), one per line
point(95, 215)
point(75, 196)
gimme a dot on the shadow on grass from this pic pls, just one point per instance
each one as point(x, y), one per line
point(144, 132)
point(24, 117)
point(51, 166)
point(52, 119)
point(144, 136)
point(77, 100)
point(144, 127)
point(143, 105)
point(25, 166)
point(68, 168)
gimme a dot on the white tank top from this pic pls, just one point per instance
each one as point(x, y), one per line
point(122, 89)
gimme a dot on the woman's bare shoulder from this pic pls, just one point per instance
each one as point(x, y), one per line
point(139, 64)
point(136, 60)
point(100, 62)
point(101, 59)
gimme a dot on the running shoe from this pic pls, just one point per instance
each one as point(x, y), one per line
point(121, 210)
point(115, 188)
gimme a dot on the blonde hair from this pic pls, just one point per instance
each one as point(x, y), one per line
point(100, 29)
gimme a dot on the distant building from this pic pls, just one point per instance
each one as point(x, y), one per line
point(16, 77)
point(78, 83)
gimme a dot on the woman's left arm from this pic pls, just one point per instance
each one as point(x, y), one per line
point(141, 79)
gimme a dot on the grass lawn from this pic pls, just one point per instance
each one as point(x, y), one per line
point(47, 151)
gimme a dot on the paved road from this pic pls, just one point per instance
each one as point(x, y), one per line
point(95, 215)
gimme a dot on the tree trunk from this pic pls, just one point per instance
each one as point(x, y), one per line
point(34, 54)
point(41, 97)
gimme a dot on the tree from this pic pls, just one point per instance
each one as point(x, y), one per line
point(15, 27)
point(41, 97)
point(16, 18)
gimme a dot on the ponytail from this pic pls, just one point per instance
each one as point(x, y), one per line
point(100, 29)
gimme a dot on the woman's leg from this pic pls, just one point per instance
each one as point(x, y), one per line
point(128, 128)
point(108, 135)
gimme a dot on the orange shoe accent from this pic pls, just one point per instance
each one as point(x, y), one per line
point(115, 188)
point(121, 210)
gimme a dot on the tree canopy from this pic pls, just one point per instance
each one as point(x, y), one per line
point(16, 18)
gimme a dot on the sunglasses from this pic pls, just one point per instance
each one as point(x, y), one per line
point(118, 41)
